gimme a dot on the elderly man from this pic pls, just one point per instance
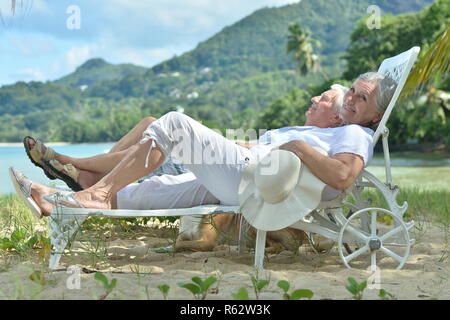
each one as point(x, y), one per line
point(184, 190)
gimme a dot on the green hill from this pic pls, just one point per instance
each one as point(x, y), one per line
point(96, 70)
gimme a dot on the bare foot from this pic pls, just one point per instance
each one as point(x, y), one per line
point(95, 199)
point(38, 191)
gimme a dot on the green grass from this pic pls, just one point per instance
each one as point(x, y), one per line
point(426, 189)
point(425, 178)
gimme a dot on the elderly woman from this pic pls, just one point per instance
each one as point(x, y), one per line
point(218, 163)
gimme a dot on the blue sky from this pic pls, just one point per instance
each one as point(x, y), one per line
point(36, 44)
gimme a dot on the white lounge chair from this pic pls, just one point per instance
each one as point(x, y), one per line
point(359, 229)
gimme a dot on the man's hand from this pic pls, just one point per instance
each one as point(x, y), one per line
point(338, 171)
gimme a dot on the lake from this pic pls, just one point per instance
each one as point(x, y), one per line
point(422, 170)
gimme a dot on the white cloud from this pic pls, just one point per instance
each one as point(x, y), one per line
point(76, 56)
point(30, 74)
point(145, 57)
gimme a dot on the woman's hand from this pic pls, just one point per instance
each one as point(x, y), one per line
point(246, 144)
point(338, 171)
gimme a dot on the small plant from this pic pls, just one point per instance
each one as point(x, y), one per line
point(356, 288)
point(38, 277)
point(384, 295)
point(198, 287)
point(109, 286)
point(296, 294)
point(22, 242)
point(242, 294)
point(258, 285)
point(164, 289)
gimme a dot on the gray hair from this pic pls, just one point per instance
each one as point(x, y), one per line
point(385, 88)
point(339, 100)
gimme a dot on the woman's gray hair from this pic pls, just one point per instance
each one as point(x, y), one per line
point(339, 100)
point(385, 88)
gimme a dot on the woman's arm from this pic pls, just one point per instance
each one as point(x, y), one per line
point(338, 171)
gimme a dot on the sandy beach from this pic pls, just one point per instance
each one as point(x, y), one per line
point(139, 271)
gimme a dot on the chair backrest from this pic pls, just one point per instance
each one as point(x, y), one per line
point(398, 69)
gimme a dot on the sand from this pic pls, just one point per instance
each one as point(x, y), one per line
point(139, 270)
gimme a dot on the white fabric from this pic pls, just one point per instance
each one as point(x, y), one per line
point(165, 192)
point(346, 139)
point(295, 193)
point(216, 161)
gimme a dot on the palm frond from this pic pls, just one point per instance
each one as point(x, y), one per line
point(435, 61)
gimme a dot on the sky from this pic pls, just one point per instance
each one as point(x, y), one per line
point(47, 39)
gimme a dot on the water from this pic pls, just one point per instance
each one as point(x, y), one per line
point(407, 170)
point(17, 158)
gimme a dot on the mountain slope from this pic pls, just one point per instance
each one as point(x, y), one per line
point(96, 70)
point(257, 43)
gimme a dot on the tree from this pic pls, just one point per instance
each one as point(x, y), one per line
point(300, 44)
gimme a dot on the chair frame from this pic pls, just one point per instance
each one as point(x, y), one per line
point(327, 220)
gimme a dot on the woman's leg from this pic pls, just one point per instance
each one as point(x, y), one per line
point(102, 195)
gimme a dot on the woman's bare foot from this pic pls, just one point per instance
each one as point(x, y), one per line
point(38, 191)
point(93, 199)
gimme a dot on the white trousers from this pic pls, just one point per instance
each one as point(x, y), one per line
point(216, 162)
point(165, 192)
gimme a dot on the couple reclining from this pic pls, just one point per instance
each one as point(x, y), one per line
point(338, 122)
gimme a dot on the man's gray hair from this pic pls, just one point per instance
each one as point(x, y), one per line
point(339, 100)
point(385, 88)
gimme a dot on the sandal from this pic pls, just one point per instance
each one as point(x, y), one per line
point(65, 172)
point(23, 189)
point(37, 155)
point(65, 200)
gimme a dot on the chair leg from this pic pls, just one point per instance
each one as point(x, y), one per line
point(259, 248)
point(62, 228)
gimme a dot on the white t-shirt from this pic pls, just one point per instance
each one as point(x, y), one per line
point(347, 139)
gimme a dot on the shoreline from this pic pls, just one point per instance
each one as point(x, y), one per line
point(50, 144)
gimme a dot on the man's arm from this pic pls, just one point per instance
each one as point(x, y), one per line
point(338, 171)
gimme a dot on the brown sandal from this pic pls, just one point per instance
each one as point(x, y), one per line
point(36, 155)
point(65, 172)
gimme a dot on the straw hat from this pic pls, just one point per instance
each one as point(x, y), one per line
point(278, 191)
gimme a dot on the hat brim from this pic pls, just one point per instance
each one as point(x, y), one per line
point(303, 199)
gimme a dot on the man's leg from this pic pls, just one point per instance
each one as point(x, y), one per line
point(133, 136)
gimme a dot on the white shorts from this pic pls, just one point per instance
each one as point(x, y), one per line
point(165, 192)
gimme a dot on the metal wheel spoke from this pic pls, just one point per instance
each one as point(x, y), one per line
point(391, 233)
point(391, 254)
point(373, 225)
point(357, 233)
point(356, 253)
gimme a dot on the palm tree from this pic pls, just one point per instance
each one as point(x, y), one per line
point(300, 44)
point(435, 62)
